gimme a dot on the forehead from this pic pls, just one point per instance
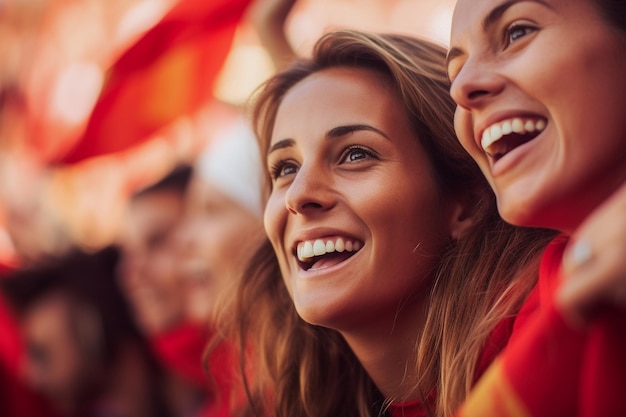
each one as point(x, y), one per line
point(472, 15)
point(465, 12)
point(331, 84)
point(335, 95)
point(48, 316)
point(211, 202)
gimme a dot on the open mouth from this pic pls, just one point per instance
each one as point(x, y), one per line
point(195, 272)
point(502, 137)
point(324, 253)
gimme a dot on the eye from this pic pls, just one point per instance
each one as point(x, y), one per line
point(156, 239)
point(282, 169)
point(516, 31)
point(356, 153)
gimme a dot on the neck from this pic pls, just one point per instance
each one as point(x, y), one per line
point(387, 350)
point(597, 191)
point(128, 391)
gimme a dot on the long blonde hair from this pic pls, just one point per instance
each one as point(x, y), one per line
point(303, 370)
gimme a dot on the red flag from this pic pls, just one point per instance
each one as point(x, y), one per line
point(169, 72)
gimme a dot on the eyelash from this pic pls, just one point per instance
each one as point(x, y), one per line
point(276, 170)
point(348, 151)
point(516, 27)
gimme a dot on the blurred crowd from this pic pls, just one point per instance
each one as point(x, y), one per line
point(113, 259)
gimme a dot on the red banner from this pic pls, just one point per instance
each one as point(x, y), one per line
point(169, 72)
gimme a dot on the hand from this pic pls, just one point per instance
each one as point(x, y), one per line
point(269, 17)
point(594, 264)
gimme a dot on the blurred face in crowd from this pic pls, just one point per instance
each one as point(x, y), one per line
point(215, 240)
point(148, 269)
point(57, 363)
point(541, 96)
point(355, 215)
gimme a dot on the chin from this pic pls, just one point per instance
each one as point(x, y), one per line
point(318, 315)
point(527, 213)
point(315, 316)
point(516, 212)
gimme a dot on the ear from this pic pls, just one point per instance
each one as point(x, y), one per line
point(461, 217)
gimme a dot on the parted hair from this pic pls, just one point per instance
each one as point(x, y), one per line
point(295, 369)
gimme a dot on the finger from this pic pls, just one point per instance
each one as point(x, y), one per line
point(594, 265)
point(600, 281)
point(574, 303)
point(578, 255)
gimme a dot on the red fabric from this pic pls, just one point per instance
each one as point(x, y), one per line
point(410, 409)
point(221, 366)
point(168, 73)
point(10, 341)
point(550, 369)
point(182, 349)
point(496, 342)
point(507, 330)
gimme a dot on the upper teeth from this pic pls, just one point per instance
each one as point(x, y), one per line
point(310, 248)
point(516, 125)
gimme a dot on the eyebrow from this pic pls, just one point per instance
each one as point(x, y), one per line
point(453, 53)
point(335, 132)
point(285, 143)
point(489, 20)
point(496, 13)
point(339, 131)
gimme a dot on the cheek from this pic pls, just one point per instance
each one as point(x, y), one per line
point(463, 127)
point(274, 219)
point(274, 223)
point(232, 240)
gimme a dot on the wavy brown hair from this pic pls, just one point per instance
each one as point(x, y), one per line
point(302, 370)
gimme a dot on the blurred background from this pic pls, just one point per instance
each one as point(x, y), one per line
point(61, 182)
point(129, 198)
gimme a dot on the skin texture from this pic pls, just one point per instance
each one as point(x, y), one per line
point(148, 269)
point(213, 242)
point(558, 61)
point(340, 156)
point(601, 279)
point(563, 62)
point(54, 362)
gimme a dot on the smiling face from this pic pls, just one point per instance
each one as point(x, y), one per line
point(214, 242)
point(56, 364)
point(541, 93)
point(147, 269)
point(355, 216)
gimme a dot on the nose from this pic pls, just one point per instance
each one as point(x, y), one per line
point(310, 191)
point(131, 270)
point(184, 236)
point(475, 84)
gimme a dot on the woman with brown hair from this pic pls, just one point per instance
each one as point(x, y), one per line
point(541, 99)
point(388, 279)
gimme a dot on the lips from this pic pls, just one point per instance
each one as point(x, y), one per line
point(326, 252)
point(501, 137)
point(195, 272)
